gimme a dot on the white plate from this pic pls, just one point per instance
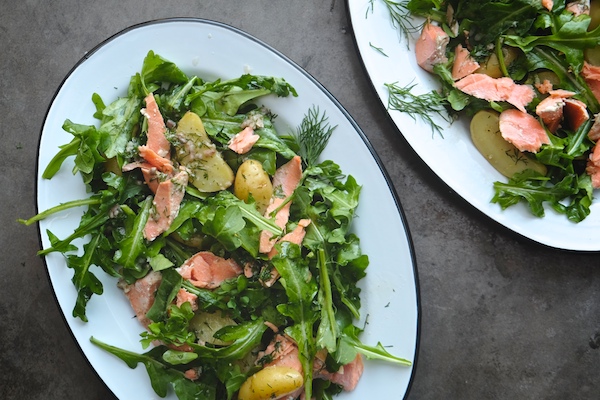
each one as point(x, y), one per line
point(209, 49)
point(453, 158)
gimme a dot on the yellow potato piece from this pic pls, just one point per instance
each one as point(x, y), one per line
point(503, 156)
point(492, 65)
point(208, 170)
point(251, 179)
point(271, 383)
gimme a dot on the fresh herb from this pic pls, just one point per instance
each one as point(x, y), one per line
point(402, 98)
point(312, 135)
point(379, 49)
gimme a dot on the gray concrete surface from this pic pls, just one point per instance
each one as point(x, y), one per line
point(502, 318)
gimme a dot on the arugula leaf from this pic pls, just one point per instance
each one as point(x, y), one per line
point(85, 282)
point(171, 328)
point(167, 291)
point(301, 289)
point(162, 375)
point(156, 69)
point(133, 245)
point(350, 338)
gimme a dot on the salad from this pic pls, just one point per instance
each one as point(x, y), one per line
point(526, 74)
point(232, 243)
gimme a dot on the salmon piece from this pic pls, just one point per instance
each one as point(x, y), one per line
point(496, 89)
point(286, 179)
point(558, 106)
point(150, 173)
point(153, 158)
point(295, 236)
point(550, 110)
point(591, 75)
point(548, 4)
point(282, 351)
point(157, 141)
point(151, 177)
point(166, 202)
point(206, 270)
point(348, 375)
point(463, 63)
point(183, 296)
point(593, 167)
point(544, 87)
point(594, 133)
point(561, 93)
point(430, 48)
point(522, 130)
point(242, 142)
point(575, 113)
point(191, 374)
point(579, 7)
point(141, 295)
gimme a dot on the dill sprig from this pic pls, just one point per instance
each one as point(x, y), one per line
point(424, 105)
point(401, 18)
point(312, 135)
point(379, 49)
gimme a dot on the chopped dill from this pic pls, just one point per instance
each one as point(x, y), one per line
point(424, 105)
point(312, 135)
point(379, 49)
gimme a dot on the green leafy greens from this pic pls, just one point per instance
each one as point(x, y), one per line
point(530, 44)
point(316, 297)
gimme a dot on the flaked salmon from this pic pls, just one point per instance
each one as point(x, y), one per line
point(347, 376)
point(594, 133)
point(591, 75)
point(593, 167)
point(295, 236)
point(153, 158)
point(463, 64)
point(543, 87)
point(156, 139)
point(430, 47)
point(286, 179)
point(242, 142)
point(548, 4)
point(496, 89)
point(165, 205)
point(207, 270)
point(141, 295)
point(551, 109)
point(576, 113)
point(578, 7)
point(522, 130)
point(183, 296)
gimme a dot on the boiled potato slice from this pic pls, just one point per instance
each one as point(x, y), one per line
point(251, 179)
point(492, 65)
point(506, 158)
point(271, 383)
point(208, 171)
point(206, 324)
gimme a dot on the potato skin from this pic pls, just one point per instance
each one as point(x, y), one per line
point(271, 383)
point(251, 179)
point(503, 156)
